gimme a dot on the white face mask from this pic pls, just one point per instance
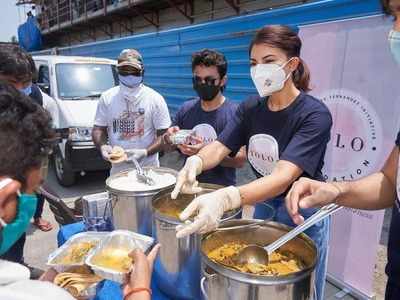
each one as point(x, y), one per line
point(394, 41)
point(130, 87)
point(130, 81)
point(269, 78)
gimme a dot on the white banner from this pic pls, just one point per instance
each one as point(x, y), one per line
point(353, 72)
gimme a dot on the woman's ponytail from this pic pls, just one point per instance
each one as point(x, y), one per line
point(301, 77)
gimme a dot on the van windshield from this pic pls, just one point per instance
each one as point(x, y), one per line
point(83, 81)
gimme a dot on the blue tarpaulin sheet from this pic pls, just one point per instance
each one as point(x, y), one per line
point(29, 35)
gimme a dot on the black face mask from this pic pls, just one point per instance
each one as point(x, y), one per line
point(206, 92)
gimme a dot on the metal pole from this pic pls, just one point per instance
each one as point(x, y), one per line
point(70, 11)
point(58, 13)
point(85, 6)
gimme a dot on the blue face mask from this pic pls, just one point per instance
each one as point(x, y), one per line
point(394, 41)
point(14, 230)
point(27, 91)
point(130, 81)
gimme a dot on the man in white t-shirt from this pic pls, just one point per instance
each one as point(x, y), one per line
point(131, 115)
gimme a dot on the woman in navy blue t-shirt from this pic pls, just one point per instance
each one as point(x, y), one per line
point(285, 132)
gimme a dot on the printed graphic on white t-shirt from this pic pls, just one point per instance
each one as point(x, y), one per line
point(133, 124)
point(206, 132)
point(129, 125)
point(263, 153)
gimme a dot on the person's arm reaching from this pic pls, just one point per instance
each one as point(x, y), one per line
point(99, 131)
point(377, 191)
point(138, 286)
point(158, 144)
point(267, 187)
point(100, 138)
point(237, 161)
point(211, 207)
point(213, 154)
point(209, 157)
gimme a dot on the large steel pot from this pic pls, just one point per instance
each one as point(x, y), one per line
point(177, 268)
point(132, 210)
point(223, 283)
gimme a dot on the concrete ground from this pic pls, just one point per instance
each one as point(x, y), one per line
point(40, 244)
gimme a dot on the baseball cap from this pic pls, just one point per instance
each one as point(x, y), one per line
point(130, 57)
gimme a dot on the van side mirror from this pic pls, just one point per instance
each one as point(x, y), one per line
point(44, 87)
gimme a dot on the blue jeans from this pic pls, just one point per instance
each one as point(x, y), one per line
point(319, 233)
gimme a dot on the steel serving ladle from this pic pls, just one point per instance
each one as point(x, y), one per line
point(140, 173)
point(255, 254)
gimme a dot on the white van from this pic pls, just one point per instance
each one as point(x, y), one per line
point(75, 83)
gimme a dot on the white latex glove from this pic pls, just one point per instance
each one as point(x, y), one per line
point(211, 208)
point(186, 181)
point(106, 151)
point(137, 154)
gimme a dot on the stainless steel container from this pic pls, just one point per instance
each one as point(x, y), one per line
point(177, 268)
point(122, 240)
point(220, 282)
point(132, 210)
point(57, 255)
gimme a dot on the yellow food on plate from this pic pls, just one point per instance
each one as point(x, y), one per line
point(117, 155)
point(76, 253)
point(280, 263)
point(114, 259)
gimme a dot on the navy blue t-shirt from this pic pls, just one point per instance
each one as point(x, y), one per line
point(393, 266)
point(299, 134)
point(208, 125)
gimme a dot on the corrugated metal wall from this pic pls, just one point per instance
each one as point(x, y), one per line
point(167, 54)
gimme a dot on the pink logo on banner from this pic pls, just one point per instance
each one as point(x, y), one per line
point(356, 138)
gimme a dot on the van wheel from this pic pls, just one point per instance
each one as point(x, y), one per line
point(64, 173)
